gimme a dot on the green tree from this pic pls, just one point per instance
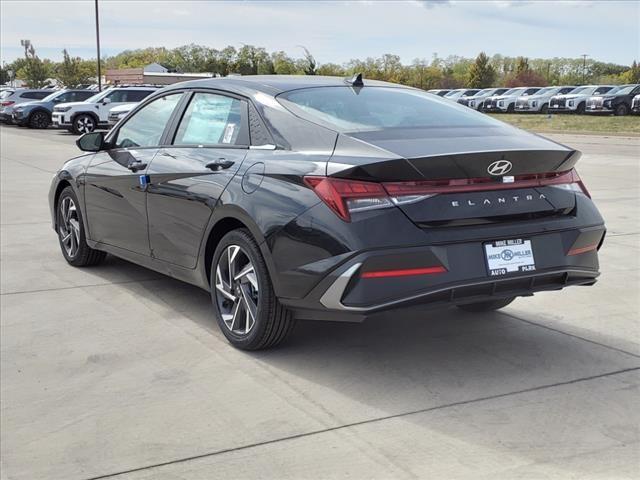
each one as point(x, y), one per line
point(74, 71)
point(34, 71)
point(283, 64)
point(331, 69)
point(309, 65)
point(632, 75)
point(481, 73)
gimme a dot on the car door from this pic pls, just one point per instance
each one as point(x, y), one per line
point(188, 176)
point(115, 181)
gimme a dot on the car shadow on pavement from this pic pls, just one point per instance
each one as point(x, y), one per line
point(460, 381)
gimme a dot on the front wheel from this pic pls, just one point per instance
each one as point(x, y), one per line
point(488, 306)
point(247, 310)
point(71, 235)
point(544, 108)
point(84, 124)
point(581, 108)
point(511, 108)
point(39, 120)
point(621, 109)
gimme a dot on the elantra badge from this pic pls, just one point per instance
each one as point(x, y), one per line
point(500, 167)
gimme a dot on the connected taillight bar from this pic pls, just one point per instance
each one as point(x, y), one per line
point(403, 272)
point(457, 185)
point(6, 103)
point(345, 196)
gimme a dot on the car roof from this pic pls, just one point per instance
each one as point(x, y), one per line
point(274, 84)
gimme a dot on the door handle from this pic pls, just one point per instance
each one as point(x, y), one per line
point(136, 166)
point(219, 164)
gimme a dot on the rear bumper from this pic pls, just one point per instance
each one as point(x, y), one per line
point(346, 295)
point(5, 117)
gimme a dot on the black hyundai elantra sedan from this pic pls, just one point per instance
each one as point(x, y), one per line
point(307, 197)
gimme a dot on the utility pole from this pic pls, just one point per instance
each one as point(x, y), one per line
point(584, 65)
point(98, 47)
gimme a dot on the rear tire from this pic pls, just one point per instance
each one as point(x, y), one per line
point(39, 120)
point(246, 307)
point(71, 235)
point(488, 306)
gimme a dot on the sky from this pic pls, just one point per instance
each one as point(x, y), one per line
point(333, 31)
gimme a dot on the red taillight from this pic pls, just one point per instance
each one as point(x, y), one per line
point(579, 250)
point(456, 185)
point(346, 196)
point(403, 272)
point(6, 103)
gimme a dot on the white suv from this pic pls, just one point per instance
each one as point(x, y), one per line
point(506, 103)
point(477, 101)
point(576, 99)
point(83, 117)
point(539, 101)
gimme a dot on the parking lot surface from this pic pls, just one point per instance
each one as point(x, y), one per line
point(119, 372)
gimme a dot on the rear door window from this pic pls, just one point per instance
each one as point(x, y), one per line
point(213, 119)
point(35, 95)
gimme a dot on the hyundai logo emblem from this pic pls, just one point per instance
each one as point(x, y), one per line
point(500, 167)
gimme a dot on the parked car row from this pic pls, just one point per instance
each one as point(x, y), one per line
point(77, 110)
point(591, 99)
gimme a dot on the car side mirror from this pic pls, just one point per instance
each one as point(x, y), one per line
point(106, 100)
point(92, 142)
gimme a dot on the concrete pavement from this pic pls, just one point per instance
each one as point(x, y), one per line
point(118, 372)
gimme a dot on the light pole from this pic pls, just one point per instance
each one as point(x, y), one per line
point(584, 66)
point(98, 47)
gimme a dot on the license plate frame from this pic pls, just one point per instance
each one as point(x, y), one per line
point(506, 257)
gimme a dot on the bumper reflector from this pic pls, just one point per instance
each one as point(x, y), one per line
point(578, 251)
point(403, 273)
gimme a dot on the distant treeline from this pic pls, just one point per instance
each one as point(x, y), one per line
point(449, 72)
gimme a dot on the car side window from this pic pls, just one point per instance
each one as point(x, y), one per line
point(118, 96)
point(137, 95)
point(212, 119)
point(146, 126)
point(35, 95)
point(82, 96)
point(66, 97)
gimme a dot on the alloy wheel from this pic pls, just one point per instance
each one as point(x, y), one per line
point(69, 227)
point(237, 290)
point(85, 124)
point(40, 120)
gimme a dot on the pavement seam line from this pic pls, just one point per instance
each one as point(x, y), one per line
point(572, 335)
point(364, 422)
point(23, 292)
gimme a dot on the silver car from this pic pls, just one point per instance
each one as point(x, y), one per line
point(11, 97)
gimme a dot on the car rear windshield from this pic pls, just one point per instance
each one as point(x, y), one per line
point(6, 93)
point(347, 109)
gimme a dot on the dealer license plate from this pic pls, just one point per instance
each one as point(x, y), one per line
point(507, 256)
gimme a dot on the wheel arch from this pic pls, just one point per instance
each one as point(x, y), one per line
point(224, 220)
point(37, 110)
point(91, 114)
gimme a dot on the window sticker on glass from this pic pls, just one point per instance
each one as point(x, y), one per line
point(228, 133)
